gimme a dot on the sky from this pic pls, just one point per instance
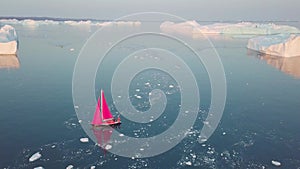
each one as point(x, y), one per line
point(258, 10)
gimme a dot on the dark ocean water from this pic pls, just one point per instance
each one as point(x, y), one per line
point(260, 122)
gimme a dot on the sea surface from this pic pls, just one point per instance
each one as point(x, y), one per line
point(260, 122)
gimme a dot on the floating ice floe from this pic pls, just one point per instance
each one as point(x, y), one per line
point(69, 167)
point(84, 140)
point(285, 45)
point(276, 163)
point(138, 97)
point(8, 40)
point(195, 30)
point(35, 157)
point(108, 147)
point(188, 163)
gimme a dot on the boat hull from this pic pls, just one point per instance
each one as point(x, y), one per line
point(109, 123)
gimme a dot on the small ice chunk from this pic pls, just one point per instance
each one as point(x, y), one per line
point(203, 140)
point(276, 163)
point(108, 147)
point(188, 163)
point(138, 97)
point(69, 167)
point(206, 122)
point(39, 167)
point(84, 140)
point(35, 156)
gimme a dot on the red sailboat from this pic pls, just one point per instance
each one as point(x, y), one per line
point(102, 115)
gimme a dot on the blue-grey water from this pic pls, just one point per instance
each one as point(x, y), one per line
point(260, 122)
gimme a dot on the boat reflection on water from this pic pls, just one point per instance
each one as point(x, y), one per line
point(9, 61)
point(103, 135)
point(288, 65)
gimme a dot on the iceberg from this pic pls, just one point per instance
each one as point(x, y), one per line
point(8, 40)
point(30, 23)
point(78, 23)
point(195, 30)
point(284, 45)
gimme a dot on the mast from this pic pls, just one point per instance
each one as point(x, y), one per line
point(101, 106)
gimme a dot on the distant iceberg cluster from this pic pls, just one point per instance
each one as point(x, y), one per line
point(272, 39)
point(35, 23)
point(8, 40)
point(195, 30)
point(284, 45)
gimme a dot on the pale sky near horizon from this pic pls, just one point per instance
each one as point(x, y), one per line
point(190, 9)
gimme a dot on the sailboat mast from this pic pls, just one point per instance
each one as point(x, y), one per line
point(101, 106)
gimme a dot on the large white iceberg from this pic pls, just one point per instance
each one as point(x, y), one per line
point(285, 45)
point(195, 30)
point(8, 40)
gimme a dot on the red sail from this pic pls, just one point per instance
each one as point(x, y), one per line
point(105, 109)
point(97, 118)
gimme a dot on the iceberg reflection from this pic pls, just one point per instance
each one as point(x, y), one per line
point(9, 61)
point(288, 65)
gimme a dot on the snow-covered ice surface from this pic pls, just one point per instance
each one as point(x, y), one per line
point(8, 40)
point(242, 29)
point(284, 45)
